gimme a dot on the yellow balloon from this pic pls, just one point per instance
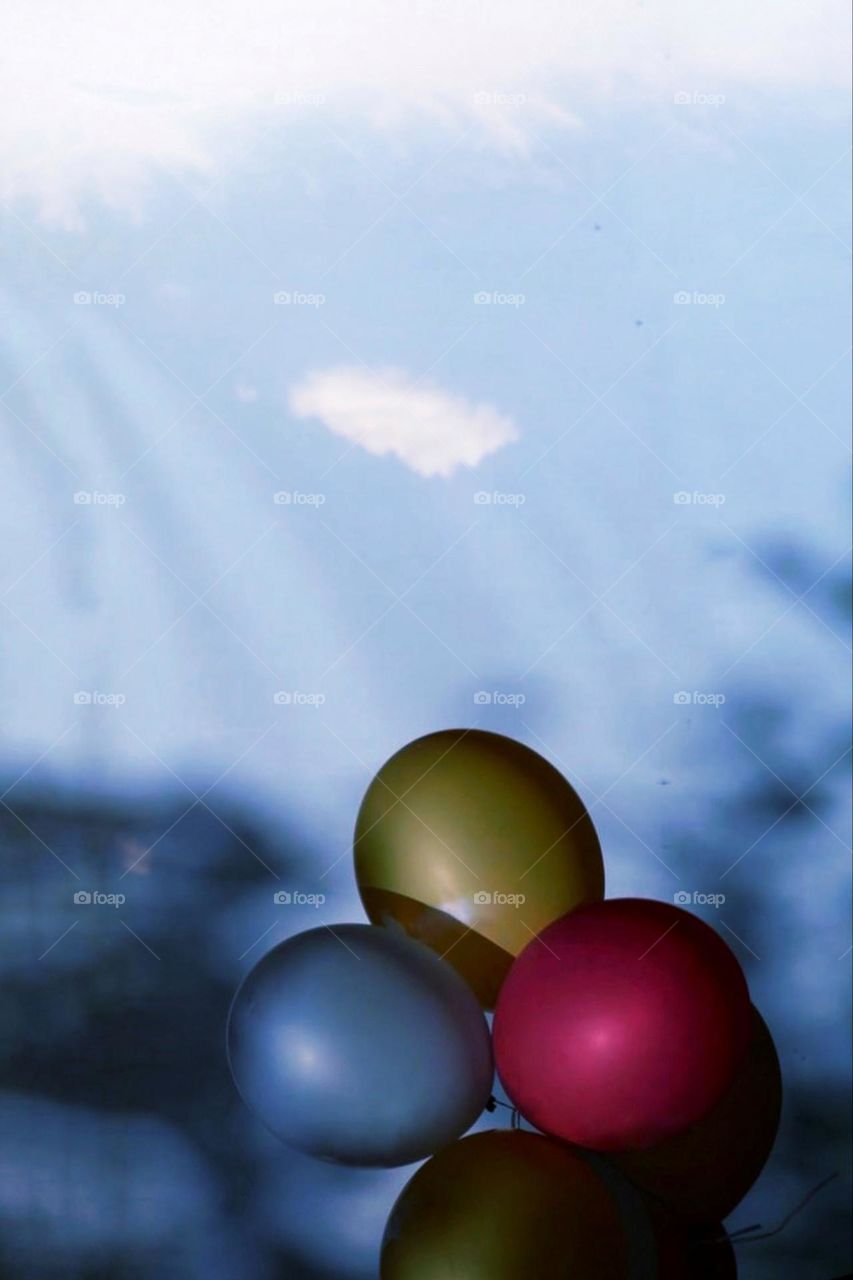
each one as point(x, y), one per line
point(473, 843)
point(506, 1205)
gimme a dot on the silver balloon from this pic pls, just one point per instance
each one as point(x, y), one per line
point(360, 1045)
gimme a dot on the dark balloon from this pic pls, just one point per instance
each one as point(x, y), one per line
point(474, 843)
point(359, 1045)
point(686, 1252)
point(705, 1172)
point(506, 1205)
point(622, 1024)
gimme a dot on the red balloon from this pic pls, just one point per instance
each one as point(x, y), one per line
point(705, 1172)
point(621, 1024)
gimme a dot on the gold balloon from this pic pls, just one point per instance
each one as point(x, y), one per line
point(473, 843)
point(505, 1205)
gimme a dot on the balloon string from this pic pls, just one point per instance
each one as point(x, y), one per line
point(745, 1235)
point(515, 1119)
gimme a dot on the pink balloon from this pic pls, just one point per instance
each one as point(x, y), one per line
point(621, 1024)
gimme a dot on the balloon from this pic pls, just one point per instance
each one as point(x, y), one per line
point(705, 1172)
point(473, 842)
point(687, 1253)
point(662, 1245)
point(359, 1045)
point(622, 1024)
point(505, 1205)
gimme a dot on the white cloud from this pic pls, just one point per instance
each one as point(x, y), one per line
point(431, 431)
point(98, 98)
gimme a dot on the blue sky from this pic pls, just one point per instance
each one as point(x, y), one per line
point(698, 397)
